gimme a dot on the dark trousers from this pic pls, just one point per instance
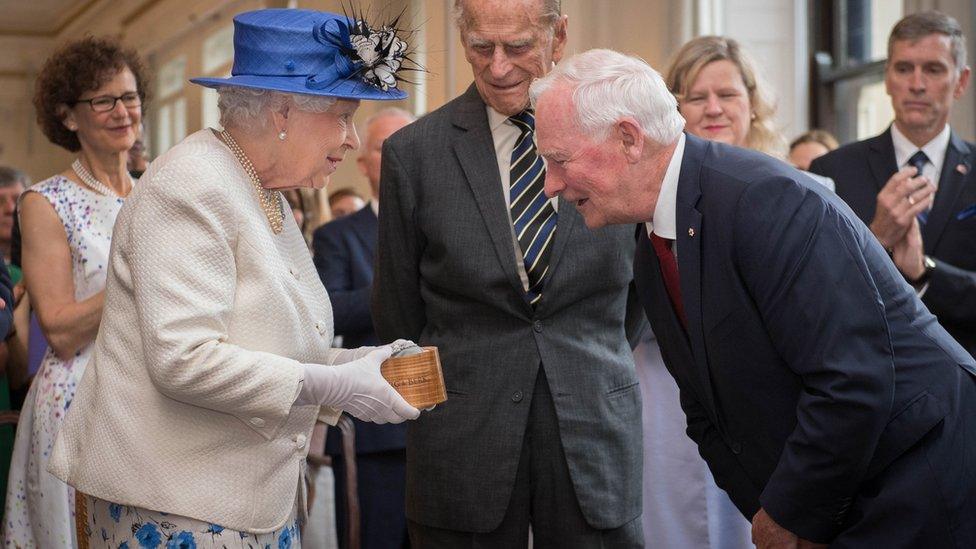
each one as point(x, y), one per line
point(381, 481)
point(543, 497)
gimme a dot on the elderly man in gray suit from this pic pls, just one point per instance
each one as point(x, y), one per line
point(531, 313)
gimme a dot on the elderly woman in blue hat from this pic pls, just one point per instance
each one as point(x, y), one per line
point(191, 424)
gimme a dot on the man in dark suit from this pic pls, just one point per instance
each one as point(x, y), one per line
point(826, 399)
point(542, 424)
point(915, 184)
point(343, 254)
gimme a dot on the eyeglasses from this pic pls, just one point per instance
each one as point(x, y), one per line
point(105, 103)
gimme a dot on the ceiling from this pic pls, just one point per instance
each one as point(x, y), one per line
point(39, 17)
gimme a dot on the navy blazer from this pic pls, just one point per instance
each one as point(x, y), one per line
point(343, 255)
point(808, 366)
point(860, 170)
point(6, 294)
point(342, 251)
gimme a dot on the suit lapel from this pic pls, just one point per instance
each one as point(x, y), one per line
point(951, 182)
point(688, 240)
point(882, 158)
point(568, 219)
point(475, 152)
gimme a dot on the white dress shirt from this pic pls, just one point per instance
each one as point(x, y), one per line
point(934, 149)
point(504, 133)
point(665, 220)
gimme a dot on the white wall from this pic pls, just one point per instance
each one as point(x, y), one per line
point(775, 33)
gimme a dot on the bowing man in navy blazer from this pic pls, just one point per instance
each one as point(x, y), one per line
point(343, 253)
point(825, 398)
point(931, 234)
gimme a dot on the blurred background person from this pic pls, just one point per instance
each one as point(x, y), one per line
point(297, 204)
point(343, 202)
point(308, 207)
point(723, 97)
point(88, 98)
point(12, 184)
point(214, 359)
point(812, 144)
point(343, 255)
point(138, 159)
point(13, 357)
point(914, 184)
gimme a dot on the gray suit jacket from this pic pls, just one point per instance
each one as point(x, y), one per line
point(446, 276)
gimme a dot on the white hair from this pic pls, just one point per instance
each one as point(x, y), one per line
point(388, 112)
point(245, 107)
point(607, 86)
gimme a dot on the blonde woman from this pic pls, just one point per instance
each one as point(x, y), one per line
point(723, 97)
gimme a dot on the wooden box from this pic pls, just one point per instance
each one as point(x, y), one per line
point(417, 377)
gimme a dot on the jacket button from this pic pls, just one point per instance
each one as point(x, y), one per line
point(517, 396)
point(257, 422)
point(736, 448)
point(537, 326)
point(300, 441)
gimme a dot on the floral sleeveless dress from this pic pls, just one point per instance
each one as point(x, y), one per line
point(39, 509)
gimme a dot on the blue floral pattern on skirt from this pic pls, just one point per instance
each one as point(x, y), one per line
point(122, 527)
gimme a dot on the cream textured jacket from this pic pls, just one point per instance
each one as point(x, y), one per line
point(187, 404)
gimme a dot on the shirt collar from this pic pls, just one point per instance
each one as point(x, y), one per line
point(934, 149)
point(496, 119)
point(375, 206)
point(664, 223)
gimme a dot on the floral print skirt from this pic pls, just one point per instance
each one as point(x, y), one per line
point(123, 527)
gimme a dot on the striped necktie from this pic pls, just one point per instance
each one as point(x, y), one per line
point(918, 161)
point(532, 214)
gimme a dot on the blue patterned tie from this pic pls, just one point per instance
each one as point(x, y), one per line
point(918, 161)
point(532, 213)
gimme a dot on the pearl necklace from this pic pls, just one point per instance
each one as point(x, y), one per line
point(270, 200)
point(88, 179)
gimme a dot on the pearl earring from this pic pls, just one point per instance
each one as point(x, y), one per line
point(282, 135)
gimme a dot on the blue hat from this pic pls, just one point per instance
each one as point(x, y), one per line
point(314, 53)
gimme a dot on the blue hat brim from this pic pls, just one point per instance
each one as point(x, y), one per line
point(352, 88)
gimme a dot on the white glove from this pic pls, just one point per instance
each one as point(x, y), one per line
point(341, 356)
point(357, 387)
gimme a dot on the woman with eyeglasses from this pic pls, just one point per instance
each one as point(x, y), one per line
point(88, 99)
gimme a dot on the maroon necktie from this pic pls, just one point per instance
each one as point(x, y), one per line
point(669, 270)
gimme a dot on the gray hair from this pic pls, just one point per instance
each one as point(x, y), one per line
point(924, 23)
point(388, 112)
point(245, 107)
point(551, 11)
point(10, 176)
point(607, 86)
